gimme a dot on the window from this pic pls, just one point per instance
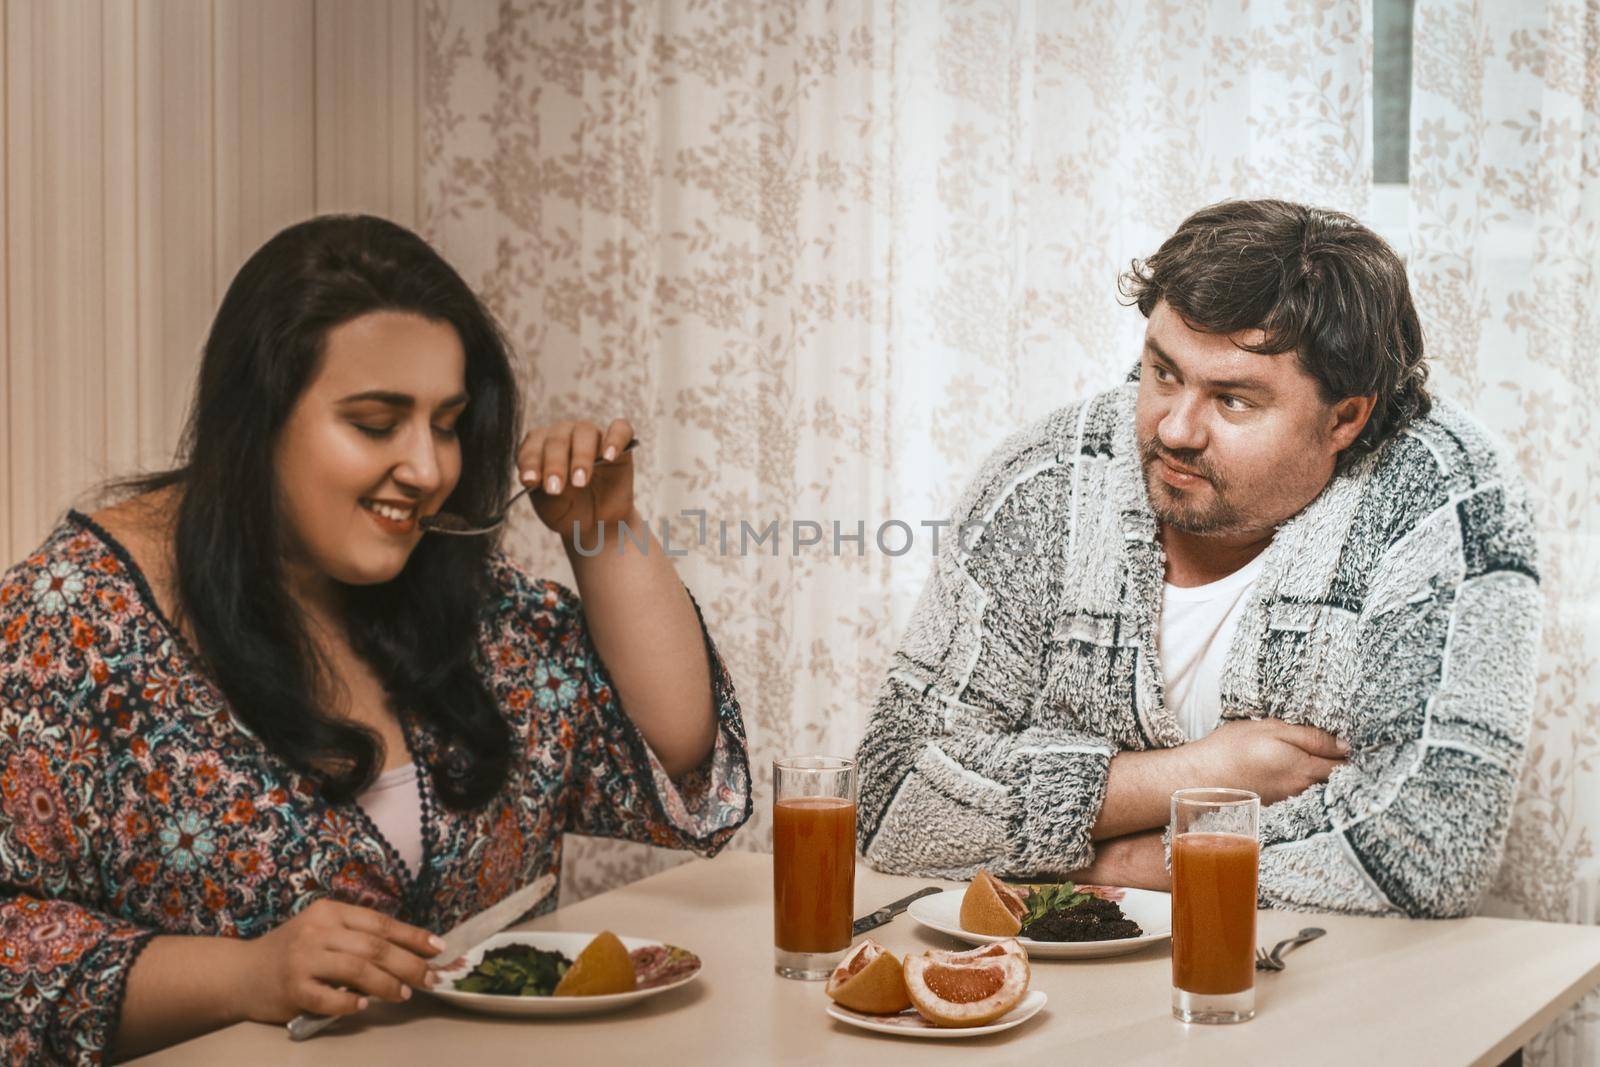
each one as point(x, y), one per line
point(1391, 120)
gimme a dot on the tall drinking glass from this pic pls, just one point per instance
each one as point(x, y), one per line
point(1215, 854)
point(813, 863)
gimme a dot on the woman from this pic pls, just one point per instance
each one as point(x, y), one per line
point(259, 734)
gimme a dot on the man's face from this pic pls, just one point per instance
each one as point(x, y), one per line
point(1232, 442)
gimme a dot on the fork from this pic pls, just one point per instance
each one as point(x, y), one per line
point(447, 523)
point(1273, 961)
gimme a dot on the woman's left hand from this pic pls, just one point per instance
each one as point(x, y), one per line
point(585, 476)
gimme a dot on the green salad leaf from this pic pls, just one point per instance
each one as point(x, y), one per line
point(1043, 899)
point(516, 971)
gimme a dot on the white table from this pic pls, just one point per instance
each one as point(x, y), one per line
point(1374, 991)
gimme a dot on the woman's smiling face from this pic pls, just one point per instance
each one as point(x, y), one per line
point(370, 446)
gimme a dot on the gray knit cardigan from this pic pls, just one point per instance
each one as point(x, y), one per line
point(1399, 611)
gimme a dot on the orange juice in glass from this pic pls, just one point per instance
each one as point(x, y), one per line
point(1215, 857)
point(813, 863)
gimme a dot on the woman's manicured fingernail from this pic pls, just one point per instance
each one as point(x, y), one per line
point(530, 477)
point(432, 979)
point(611, 453)
point(361, 1005)
point(405, 992)
point(579, 478)
point(552, 484)
point(437, 942)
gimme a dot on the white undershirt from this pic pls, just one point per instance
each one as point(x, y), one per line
point(394, 804)
point(1197, 626)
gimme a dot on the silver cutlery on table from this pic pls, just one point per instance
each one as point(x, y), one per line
point(461, 937)
point(447, 523)
point(1273, 961)
point(878, 918)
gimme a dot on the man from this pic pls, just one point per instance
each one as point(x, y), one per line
point(1269, 561)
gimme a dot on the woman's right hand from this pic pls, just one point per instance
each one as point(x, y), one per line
point(330, 958)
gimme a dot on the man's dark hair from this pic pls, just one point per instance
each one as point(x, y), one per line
point(1318, 283)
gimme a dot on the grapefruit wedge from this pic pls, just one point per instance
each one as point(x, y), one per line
point(603, 967)
point(991, 907)
point(869, 980)
point(973, 988)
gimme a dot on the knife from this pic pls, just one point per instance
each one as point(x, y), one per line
point(889, 911)
point(462, 936)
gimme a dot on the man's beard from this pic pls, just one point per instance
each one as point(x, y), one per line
point(1169, 503)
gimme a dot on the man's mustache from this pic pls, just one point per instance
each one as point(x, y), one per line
point(1187, 459)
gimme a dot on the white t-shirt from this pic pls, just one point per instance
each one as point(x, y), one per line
point(1197, 626)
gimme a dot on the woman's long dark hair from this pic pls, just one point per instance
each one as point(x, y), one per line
point(418, 632)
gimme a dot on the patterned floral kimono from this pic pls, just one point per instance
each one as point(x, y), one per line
point(132, 803)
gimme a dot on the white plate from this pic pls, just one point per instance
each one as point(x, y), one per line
point(909, 1024)
point(557, 941)
point(1150, 909)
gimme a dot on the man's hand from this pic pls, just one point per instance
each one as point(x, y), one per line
point(1266, 756)
point(1137, 861)
point(1270, 757)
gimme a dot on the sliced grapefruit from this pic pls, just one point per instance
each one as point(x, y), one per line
point(959, 989)
point(870, 980)
point(604, 966)
point(1009, 947)
point(991, 907)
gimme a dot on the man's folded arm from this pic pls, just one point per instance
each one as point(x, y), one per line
point(939, 798)
point(1416, 822)
point(955, 772)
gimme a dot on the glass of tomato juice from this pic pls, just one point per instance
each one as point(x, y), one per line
point(813, 863)
point(1215, 857)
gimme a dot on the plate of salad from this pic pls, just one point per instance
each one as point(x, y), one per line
point(518, 973)
point(1065, 921)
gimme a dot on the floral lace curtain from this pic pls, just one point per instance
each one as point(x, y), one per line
point(827, 255)
point(1505, 242)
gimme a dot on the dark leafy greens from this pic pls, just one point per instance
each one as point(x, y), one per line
point(516, 971)
point(1065, 913)
point(1043, 899)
